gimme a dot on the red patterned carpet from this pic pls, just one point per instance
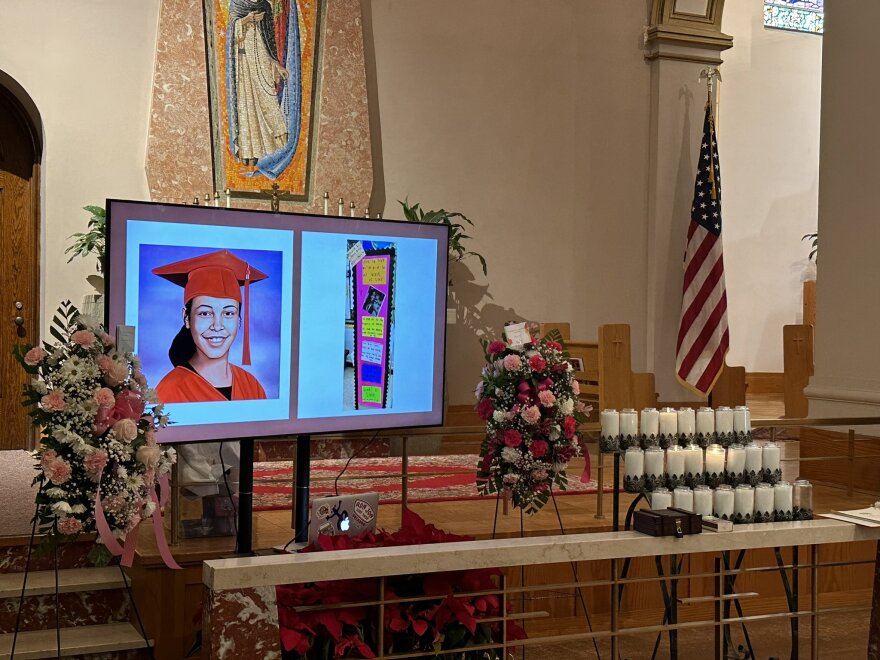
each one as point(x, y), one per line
point(425, 485)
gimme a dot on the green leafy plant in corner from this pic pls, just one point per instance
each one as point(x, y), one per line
point(93, 241)
point(814, 244)
point(457, 235)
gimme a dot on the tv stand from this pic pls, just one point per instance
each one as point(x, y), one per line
point(244, 535)
point(301, 494)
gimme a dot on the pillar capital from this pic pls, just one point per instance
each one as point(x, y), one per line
point(688, 30)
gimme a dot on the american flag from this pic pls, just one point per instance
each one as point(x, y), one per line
point(703, 337)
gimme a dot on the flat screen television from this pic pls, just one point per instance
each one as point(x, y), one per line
point(252, 323)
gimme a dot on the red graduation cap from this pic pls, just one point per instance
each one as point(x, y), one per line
point(219, 274)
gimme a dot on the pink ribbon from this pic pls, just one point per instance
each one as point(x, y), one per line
point(131, 539)
point(585, 477)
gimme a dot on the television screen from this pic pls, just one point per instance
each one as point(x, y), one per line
point(252, 323)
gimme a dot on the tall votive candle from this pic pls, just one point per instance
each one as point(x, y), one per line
point(723, 420)
point(703, 500)
point(650, 422)
point(668, 422)
point(686, 420)
point(683, 498)
point(705, 421)
point(723, 503)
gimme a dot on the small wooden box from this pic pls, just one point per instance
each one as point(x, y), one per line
point(667, 522)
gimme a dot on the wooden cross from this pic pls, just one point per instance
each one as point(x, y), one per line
point(797, 339)
point(276, 196)
point(617, 341)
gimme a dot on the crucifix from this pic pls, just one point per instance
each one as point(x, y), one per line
point(276, 196)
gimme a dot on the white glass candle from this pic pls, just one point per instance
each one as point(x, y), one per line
point(723, 420)
point(668, 422)
point(675, 457)
point(736, 462)
point(723, 502)
point(629, 422)
point(802, 498)
point(693, 460)
point(763, 503)
point(650, 422)
point(610, 420)
point(754, 456)
point(661, 499)
point(654, 473)
point(703, 500)
point(770, 461)
point(686, 421)
point(683, 498)
point(714, 464)
point(705, 421)
point(743, 503)
point(634, 470)
point(742, 420)
point(782, 503)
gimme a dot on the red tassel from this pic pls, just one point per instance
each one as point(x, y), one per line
point(246, 340)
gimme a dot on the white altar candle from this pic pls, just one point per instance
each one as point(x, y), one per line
point(754, 457)
point(675, 458)
point(736, 459)
point(650, 422)
point(764, 502)
point(703, 500)
point(629, 422)
point(715, 459)
point(693, 459)
point(770, 456)
point(654, 462)
point(326, 203)
point(610, 420)
point(742, 419)
point(723, 420)
point(661, 499)
point(686, 420)
point(723, 504)
point(705, 421)
point(228, 194)
point(683, 498)
point(782, 501)
point(668, 422)
point(340, 203)
point(744, 503)
point(634, 463)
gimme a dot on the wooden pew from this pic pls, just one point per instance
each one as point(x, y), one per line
point(607, 379)
point(797, 354)
point(730, 388)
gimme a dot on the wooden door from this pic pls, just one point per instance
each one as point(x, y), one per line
point(20, 153)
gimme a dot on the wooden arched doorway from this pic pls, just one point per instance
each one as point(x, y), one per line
point(20, 155)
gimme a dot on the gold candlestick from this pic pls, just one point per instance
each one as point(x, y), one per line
point(351, 210)
point(339, 213)
point(228, 194)
point(326, 203)
point(216, 199)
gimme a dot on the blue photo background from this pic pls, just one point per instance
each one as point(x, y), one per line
point(160, 313)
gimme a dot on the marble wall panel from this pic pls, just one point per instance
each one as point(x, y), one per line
point(243, 622)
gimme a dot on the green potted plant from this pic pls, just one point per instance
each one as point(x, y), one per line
point(457, 250)
point(92, 242)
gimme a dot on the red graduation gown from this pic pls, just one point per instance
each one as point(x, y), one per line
point(180, 385)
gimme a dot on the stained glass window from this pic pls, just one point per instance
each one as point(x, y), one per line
point(795, 15)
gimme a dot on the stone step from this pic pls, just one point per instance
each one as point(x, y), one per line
point(82, 640)
point(70, 580)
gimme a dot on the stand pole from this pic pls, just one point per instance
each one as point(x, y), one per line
point(301, 494)
point(615, 495)
point(244, 538)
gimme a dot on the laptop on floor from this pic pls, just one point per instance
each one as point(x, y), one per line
point(343, 515)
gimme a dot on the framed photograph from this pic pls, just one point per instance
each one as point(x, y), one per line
point(576, 363)
point(263, 63)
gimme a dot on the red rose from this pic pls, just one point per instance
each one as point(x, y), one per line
point(485, 409)
point(511, 438)
point(496, 347)
point(555, 345)
point(537, 363)
point(569, 426)
point(539, 448)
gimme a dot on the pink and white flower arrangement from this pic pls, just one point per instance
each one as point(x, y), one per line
point(528, 398)
point(98, 422)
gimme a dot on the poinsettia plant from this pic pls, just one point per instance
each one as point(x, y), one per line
point(528, 397)
point(91, 405)
point(449, 621)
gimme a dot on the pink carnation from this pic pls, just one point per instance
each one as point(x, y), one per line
point(94, 464)
point(104, 363)
point(104, 397)
point(546, 398)
point(53, 401)
point(106, 339)
point(537, 363)
point(496, 346)
point(113, 504)
point(575, 386)
point(531, 414)
point(58, 471)
point(85, 338)
point(539, 448)
point(34, 356)
point(512, 362)
point(116, 374)
point(69, 525)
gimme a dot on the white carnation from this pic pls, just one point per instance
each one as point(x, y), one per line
point(62, 507)
point(78, 508)
point(510, 455)
point(566, 406)
point(149, 508)
point(499, 416)
point(39, 386)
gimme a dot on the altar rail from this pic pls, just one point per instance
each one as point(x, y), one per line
point(241, 609)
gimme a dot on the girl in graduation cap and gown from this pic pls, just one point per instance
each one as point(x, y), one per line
point(212, 314)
